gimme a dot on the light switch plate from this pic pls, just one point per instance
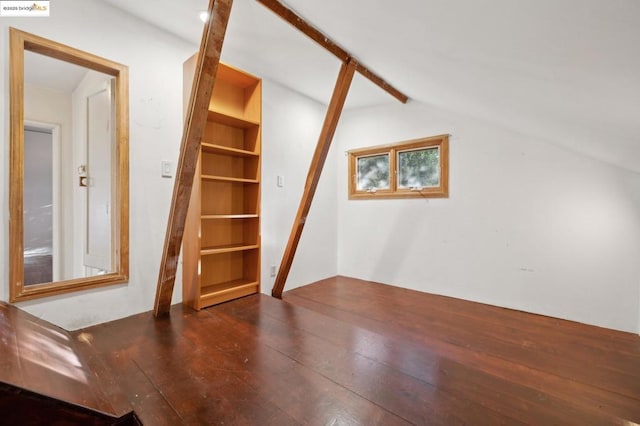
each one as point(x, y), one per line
point(280, 181)
point(167, 169)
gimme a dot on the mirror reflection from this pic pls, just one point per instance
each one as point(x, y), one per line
point(68, 144)
point(69, 166)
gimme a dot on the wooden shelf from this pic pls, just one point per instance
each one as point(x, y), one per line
point(228, 179)
point(221, 244)
point(228, 216)
point(218, 293)
point(230, 120)
point(219, 149)
point(227, 249)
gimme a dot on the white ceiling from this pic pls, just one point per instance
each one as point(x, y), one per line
point(566, 71)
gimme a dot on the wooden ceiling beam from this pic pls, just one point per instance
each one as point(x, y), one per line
point(297, 21)
point(315, 170)
point(205, 74)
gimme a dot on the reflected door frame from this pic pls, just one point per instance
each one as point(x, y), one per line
point(56, 183)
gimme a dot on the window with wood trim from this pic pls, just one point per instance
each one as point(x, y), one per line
point(412, 169)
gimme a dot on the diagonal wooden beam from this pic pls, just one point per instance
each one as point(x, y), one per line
point(315, 170)
point(297, 21)
point(205, 74)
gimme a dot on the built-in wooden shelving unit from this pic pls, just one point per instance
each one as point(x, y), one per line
point(221, 246)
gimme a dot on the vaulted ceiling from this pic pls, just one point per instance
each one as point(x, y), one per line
point(563, 71)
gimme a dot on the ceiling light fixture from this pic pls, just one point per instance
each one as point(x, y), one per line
point(204, 15)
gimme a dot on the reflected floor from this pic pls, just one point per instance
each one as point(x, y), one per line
point(38, 269)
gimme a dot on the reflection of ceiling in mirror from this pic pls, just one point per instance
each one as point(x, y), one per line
point(43, 71)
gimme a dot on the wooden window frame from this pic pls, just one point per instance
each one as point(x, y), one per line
point(440, 191)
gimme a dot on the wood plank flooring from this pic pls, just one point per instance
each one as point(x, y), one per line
point(345, 351)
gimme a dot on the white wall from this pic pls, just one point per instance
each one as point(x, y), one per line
point(155, 89)
point(291, 126)
point(527, 225)
point(155, 59)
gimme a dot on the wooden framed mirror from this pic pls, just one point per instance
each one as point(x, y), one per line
point(69, 165)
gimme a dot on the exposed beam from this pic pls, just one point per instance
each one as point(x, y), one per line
point(205, 73)
point(297, 21)
point(315, 170)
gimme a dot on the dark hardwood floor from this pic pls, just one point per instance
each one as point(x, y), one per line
point(345, 351)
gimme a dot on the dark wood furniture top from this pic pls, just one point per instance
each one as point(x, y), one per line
point(46, 370)
point(22, 407)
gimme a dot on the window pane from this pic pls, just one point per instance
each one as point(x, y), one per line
point(373, 172)
point(419, 168)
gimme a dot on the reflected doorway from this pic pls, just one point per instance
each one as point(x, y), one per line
point(41, 205)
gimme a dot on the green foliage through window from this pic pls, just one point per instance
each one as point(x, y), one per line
point(373, 172)
point(419, 168)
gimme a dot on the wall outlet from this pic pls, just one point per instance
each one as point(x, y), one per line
point(273, 270)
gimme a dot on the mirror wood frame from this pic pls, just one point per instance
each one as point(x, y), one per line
point(20, 42)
